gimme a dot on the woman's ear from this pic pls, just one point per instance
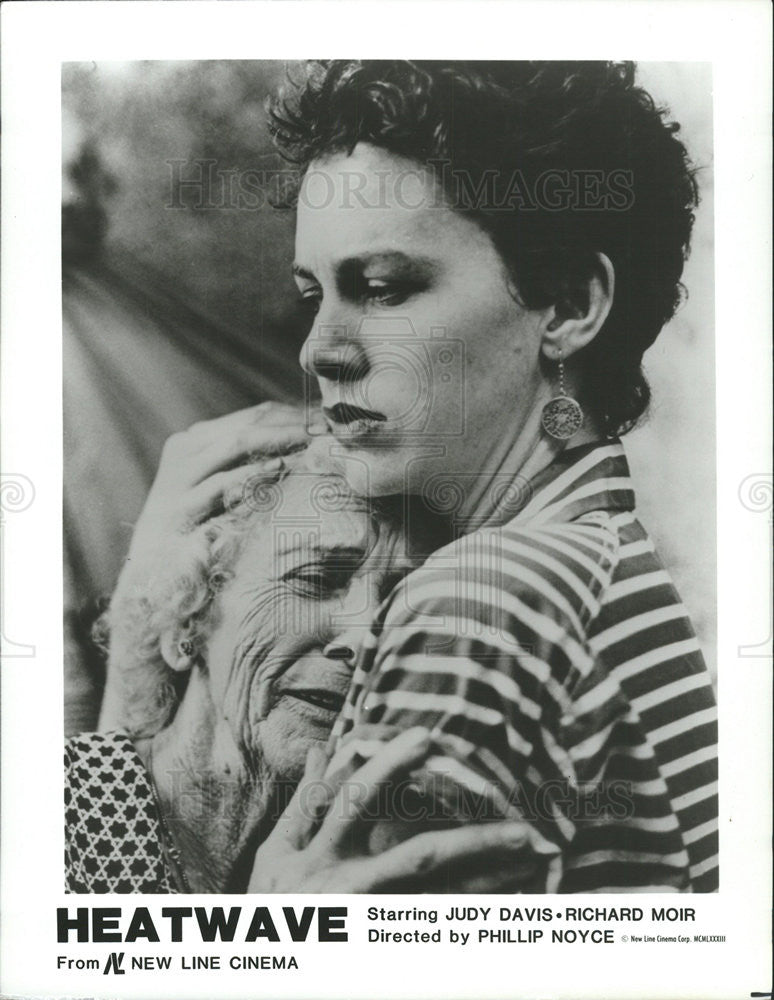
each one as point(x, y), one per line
point(177, 650)
point(574, 322)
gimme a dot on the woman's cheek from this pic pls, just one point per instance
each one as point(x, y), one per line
point(285, 740)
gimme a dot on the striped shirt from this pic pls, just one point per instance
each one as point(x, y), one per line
point(559, 673)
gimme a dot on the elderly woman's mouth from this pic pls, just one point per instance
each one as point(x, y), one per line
point(314, 687)
point(327, 701)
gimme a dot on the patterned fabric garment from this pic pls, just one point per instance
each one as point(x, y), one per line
point(553, 661)
point(113, 838)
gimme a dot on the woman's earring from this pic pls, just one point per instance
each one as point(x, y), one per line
point(562, 416)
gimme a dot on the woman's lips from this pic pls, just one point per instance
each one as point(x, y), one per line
point(349, 420)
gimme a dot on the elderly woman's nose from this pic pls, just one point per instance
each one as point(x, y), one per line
point(338, 650)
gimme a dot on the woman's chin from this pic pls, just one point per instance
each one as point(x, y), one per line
point(374, 473)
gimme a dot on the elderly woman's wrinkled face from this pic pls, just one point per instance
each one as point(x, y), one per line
point(287, 625)
point(425, 361)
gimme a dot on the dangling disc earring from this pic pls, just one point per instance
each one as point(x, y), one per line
point(562, 416)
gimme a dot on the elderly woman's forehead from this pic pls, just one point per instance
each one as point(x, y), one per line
point(309, 495)
point(319, 508)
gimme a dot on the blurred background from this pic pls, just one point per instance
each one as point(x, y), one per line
point(178, 305)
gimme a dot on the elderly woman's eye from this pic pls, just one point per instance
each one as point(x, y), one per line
point(320, 578)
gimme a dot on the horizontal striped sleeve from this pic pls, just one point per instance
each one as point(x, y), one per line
point(553, 662)
point(643, 641)
point(493, 671)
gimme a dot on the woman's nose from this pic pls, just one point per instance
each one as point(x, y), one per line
point(332, 352)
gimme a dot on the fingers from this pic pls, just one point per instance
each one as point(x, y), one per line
point(253, 442)
point(272, 413)
point(248, 484)
point(428, 853)
point(554, 874)
point(211, 446)
point(203, 472)
point(360, 790)
point(365, 741)
point(267, 413)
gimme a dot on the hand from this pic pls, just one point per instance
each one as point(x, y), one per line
point(320, 843)
point(201, 465)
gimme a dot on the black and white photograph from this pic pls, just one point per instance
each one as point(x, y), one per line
point(393, 316)
point(392, 511)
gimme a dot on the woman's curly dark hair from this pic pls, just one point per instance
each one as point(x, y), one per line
point(557, 161)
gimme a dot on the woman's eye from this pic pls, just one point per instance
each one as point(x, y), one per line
point(386, 293)
point(309, 303)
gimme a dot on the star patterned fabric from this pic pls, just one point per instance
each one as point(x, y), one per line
point(113, 837)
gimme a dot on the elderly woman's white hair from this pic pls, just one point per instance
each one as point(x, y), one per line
point(141, 628)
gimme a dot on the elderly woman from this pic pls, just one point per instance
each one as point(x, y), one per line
point(487, 250)
point(233, 659)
